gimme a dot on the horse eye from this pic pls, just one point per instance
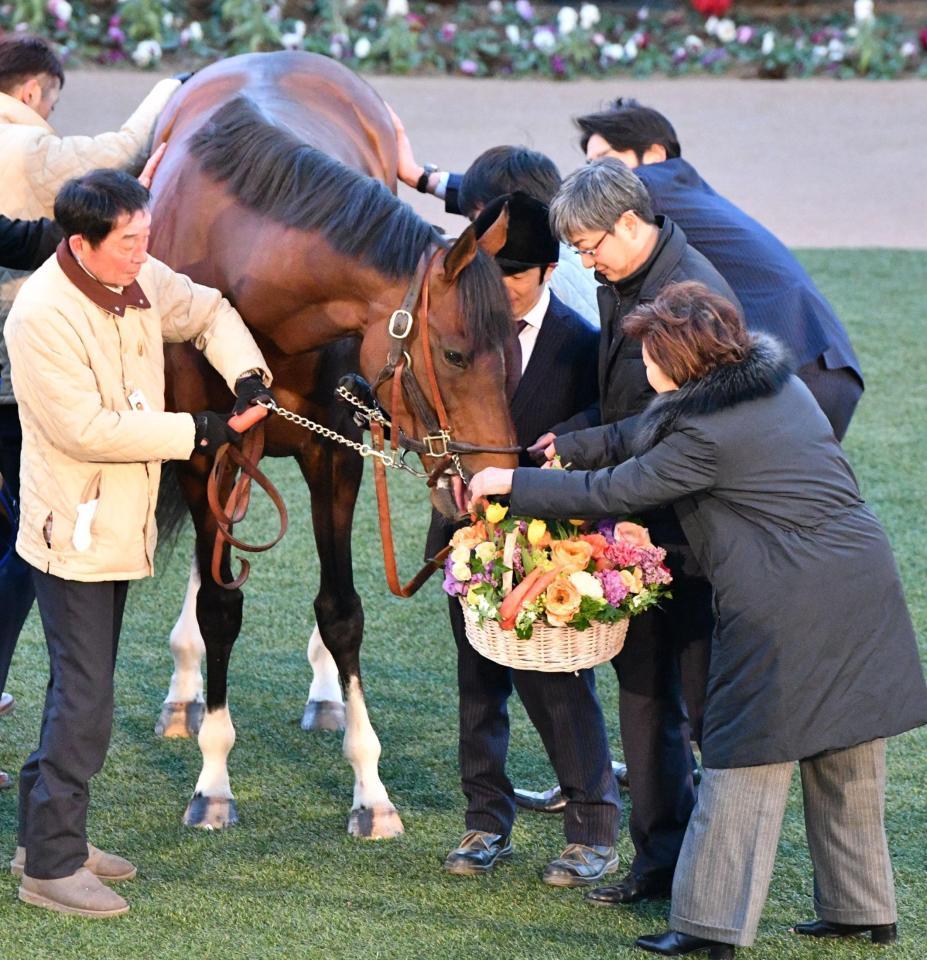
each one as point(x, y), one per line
point(454, 358)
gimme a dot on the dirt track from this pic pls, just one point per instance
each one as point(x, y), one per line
point(822, 163)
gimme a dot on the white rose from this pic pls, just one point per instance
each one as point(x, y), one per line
point(587, 585)
point(461, 572)
point(727, 30)
point(769, 43)
point(630, 50)
point(362, 48)
point(567, 18)
point(485, 552)
point(147, 53)
point(589, 16)
point(711, 25)
point(544, 40)
point(512, 33)
point(397, 8)
point(460, 555)
point(863, 11)
point(613, 51)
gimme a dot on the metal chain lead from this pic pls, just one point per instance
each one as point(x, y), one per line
point(364, 449)
point(371, 413)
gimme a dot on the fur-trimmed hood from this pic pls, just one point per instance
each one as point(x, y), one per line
point(763, 372)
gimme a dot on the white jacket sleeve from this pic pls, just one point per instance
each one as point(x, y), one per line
point(56, 159)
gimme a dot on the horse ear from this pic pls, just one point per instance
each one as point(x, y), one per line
point(465, 247)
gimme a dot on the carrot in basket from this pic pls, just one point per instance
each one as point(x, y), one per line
point(508, 612)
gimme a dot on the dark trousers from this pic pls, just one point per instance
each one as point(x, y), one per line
point(82, 623)
point(836, 391)
point(16, 593)
point(662, 678)
point(565, 711)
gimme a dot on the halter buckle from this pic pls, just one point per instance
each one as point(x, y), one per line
point(443, 437)
point(400, 316)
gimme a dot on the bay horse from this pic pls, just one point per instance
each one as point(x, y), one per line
point(277, 188)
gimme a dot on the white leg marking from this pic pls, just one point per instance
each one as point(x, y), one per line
point(187, 648)
point(362, 750)
point(325, 684)
point(216, 739)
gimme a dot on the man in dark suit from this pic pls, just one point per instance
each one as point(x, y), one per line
point(604, 211)
point(554, 377)
point(777, 294)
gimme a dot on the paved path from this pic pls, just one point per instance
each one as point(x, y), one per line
point(822, 163)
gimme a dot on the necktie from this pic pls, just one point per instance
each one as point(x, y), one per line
point(514, 373)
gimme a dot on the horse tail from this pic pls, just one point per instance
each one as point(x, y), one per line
point(171, 512)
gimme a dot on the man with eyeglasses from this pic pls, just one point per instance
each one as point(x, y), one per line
point(604, 212)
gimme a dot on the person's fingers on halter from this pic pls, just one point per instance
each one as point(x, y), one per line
point(147, 175)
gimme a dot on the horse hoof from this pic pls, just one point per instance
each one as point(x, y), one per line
point(210, 813)
point(323, 715)
point(180, 719)
point(379, 824)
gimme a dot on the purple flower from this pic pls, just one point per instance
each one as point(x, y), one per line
point(448, 32)
point(524, 9)
point(116, 35)
point(744, 34)
point(558, 64)
point(517, 564)
point(612, 586)
point(607, 529)
point(468, 67)
point(452, 586)
point(680, 55)
point(714, 56)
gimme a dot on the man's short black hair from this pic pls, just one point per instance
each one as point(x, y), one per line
point(23, 56)
point(507, 169)
point(629, 126)
point(92, 204)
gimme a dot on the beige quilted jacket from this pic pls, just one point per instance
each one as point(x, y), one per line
point(88, 369)
point(35, 162)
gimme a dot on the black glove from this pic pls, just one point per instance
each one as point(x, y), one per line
point(183, 77)
point(248, 390)
point(212, 430)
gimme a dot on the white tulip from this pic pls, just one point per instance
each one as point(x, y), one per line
point(863, 11)
point(397, 8)
point(589, 16)
point(613, 51)
point(513, 34)
point(147, 53)
point(727, 30)
point(711, 25)
point(630, 50)
point(544, 40)
point(769, 43)
point(567, 18)
point(195, 31)
point(362, 48)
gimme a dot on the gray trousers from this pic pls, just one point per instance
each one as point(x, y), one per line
point(727, 857)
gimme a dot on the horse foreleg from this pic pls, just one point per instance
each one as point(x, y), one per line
point(182, 712)
point(325, 706)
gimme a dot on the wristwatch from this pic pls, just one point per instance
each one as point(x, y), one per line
point(427, 171)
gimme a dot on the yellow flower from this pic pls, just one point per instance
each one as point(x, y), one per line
point(536, 531)
point(496, 512)
point(633, 581)
point(572, 555)
point(486, 551)
point(473, 598)
point(561, 601)
point(577, 523)
point(460, 555)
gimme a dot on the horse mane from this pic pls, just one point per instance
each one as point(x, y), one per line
point(270, 170)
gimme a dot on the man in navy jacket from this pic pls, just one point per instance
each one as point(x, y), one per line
point(774, 289)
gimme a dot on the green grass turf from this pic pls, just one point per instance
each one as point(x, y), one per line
point(288, 881)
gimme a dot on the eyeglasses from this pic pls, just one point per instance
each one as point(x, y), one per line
point(594, 250)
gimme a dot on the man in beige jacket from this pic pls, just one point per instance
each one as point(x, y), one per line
point(85, 337)
point(34, 163)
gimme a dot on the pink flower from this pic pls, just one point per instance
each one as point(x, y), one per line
point(448, 32)
point(469, 67)
point(623, 554)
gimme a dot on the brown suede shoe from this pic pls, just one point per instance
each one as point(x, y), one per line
point(106, 866)
point(81, 894)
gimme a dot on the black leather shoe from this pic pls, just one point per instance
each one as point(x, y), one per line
point(631, 889)
point(477, 853)
point(673, 944)
point(580, 865)
point(553, 801)
point(880, 932)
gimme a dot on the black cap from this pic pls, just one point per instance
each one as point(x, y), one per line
point(529, 242)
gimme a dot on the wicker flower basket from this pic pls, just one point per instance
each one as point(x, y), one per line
point(550, 649)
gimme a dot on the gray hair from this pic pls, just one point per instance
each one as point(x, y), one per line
point(595, 196)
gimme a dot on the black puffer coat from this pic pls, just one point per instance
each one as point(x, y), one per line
point(814, 648)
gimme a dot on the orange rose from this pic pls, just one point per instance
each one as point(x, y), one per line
point(572, 555)
point(599, 543)
point(470, 536)
point(633, 533)
point(562, 602)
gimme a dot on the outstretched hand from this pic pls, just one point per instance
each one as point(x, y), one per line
point(493, 481)
point(408, 170)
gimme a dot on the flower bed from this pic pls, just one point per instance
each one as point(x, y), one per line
point(490, 39)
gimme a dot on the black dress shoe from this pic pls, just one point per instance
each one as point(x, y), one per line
point(673, 944)
point(580, 865)
point(631, 889)
point(477, 853)
point(880, 932)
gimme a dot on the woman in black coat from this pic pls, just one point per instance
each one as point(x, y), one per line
point(814, 657)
